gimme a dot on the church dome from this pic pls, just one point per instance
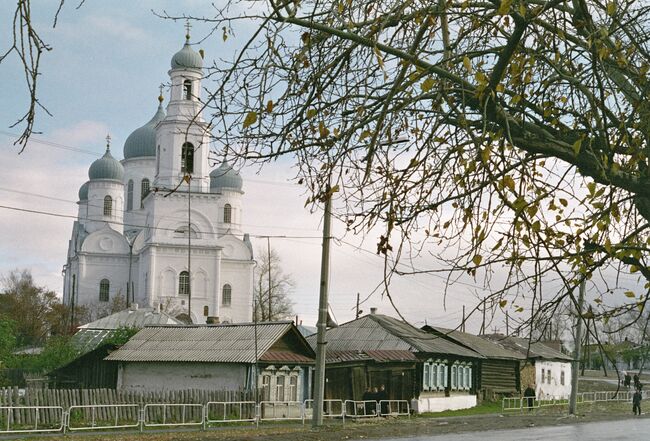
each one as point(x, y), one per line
point(225, 177)
point(142, 141)
point(187, 58)
point(106, 167)
point(83, 192)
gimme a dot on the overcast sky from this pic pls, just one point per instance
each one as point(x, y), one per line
point(101, 77)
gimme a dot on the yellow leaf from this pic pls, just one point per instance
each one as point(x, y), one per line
point(504, 8)
point(251, 118)
point(576, 146)
point(564, 202)
point(467, 63)
point(611, 8)
point(629, 294)
point(503, 303)
point(311, 113)
point(322, 130)
point(364, 135)
point(477, 259)
point(269, 106)
point(634, 269)
point(428, 84)
point(592, 188)
point(608, 246)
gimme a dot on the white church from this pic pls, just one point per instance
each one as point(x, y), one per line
point(158, 227)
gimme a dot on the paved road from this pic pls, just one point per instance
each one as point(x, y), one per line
point(624, 430)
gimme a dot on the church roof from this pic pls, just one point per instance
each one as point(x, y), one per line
point(83, 192)
point(187, 58)
point(132, 318)
point(225, 177)
point(106, 167)
point(142, 141)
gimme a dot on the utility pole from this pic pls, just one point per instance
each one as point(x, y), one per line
point(268, 253)
point(357, 314)
point(483, 325)
point(462, 324)
point(319, 382)
point(507, 324)
point(188, 178)
point(576, 351)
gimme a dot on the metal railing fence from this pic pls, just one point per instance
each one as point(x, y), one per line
point(527, 403)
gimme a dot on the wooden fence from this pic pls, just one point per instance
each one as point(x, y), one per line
point(80, 397)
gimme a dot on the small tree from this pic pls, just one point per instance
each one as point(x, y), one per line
point(281, 286)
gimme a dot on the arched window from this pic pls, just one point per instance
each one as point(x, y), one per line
point(144, 191)
point(108, 206)
point(226, 295)
point(129, 195)
point(184, 283)
point(187, 89)
point(227, 214)
point(187, 158)
point(104, 286)
point(206, 311)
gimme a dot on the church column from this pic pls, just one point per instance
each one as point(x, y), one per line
point(153, 278)
point(214, 307)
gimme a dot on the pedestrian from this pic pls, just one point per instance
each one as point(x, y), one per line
point(382, 397)
point(529, 396)
point(627, 379)
point(636, 402)
point(368, 398)
point(637, 383)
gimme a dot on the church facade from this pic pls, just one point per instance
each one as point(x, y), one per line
point(158, 228)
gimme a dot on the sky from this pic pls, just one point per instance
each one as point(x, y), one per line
point(102, 76)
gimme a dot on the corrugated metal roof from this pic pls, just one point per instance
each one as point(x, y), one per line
point(527, 348)
point(486, 348)
point(378, 356)
point(228, 343)
point(377, 332)
point(285, 357)
point(138, 318)
point(87, 340)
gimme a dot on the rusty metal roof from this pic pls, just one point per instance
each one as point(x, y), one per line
point(485, 347)
point(376, 332)
point(273, 356)
point(226, 343)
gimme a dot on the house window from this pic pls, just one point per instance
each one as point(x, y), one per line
point(442, 376)
point(227, 214)
point(226, 295)
point(187, 158)
point(184, 283)
point(426, 381)
point(266, 388)
point(129, 195)
point(279, 388)
point(434, 375)
point(187, 89)
point(543, 376)
point(454, 377)
point(548, 376)
point(206, 311)
point(108, 205)
point(104, 286)
point(293, 388)
point(144, 191)
point(562, 378)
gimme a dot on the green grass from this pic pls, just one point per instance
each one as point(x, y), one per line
point(484, 408)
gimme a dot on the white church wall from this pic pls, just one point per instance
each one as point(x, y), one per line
point(553, 379)
point(238, 276)
point(136, 169)
point(94, 268)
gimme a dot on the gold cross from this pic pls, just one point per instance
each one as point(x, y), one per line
point(108, 140)
point(188, 26)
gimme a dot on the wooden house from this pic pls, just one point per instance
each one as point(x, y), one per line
point(375, 350)
point(218, 357)
point(498, 373)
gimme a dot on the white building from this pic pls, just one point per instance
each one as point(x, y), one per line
point(139, 217)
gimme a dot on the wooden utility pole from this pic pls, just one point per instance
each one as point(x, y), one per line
point(188, 178)
point(507, 324)
point(319, 381)
point(576, 351)
point(357, 314)
point(483, 323)
point(268, 254)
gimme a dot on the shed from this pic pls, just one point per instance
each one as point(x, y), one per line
point(218, 357)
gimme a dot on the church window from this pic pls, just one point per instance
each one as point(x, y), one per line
point(129, 195)
point(104, 286)
point(182, 232)
point(184, 283)
point(144, 191)
point(187, 158)
point(227, 214)
point(206, 311)
point(108, 206)
point(187, 90)
point(226, 295)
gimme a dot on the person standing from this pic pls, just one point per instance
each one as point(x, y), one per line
point(529, 396)
point(382, 395)
point(637, 382)
point(636, 402)
point(627, 379)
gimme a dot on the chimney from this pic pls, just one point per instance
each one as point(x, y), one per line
point(373, 310)
point(212, 320)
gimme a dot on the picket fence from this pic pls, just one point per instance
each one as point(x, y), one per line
point(66, 398)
